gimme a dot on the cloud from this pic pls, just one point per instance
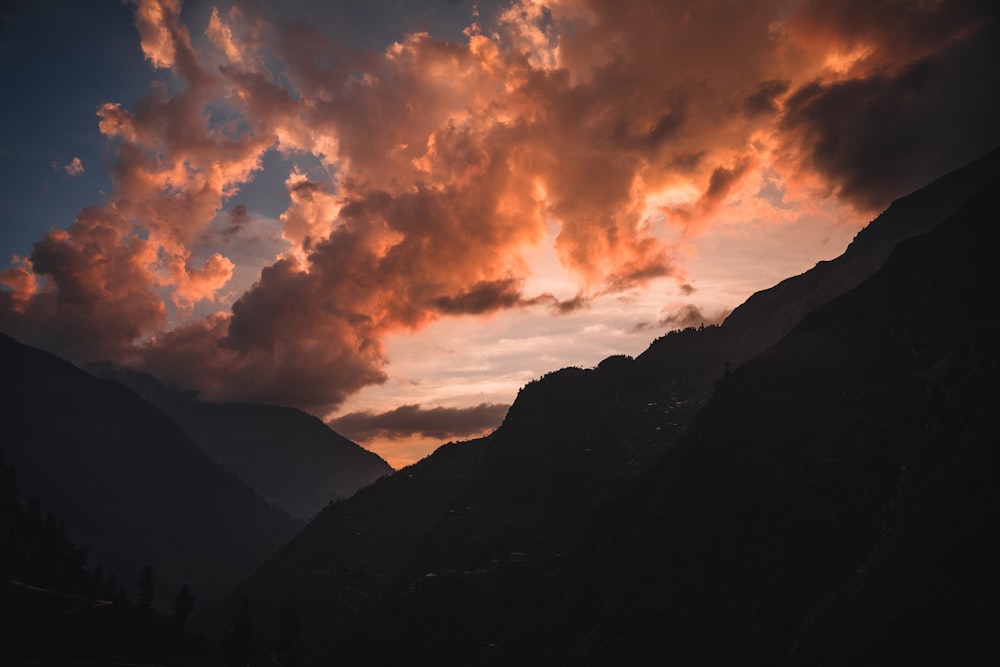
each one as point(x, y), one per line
point(91, 294)
point(681, 317)
point(239, 219)
point(763, 100)
point(432, 168)
point(413, 420)
point(483, 297)
point(563, 307)
point(912, 96)
point(73, 168)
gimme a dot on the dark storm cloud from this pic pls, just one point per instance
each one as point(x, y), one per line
point(926, 100)
point(483, 297)
point(410, 420)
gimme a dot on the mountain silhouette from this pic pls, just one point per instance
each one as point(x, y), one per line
point(289, 457)
point(127, 479)
point(766, 316)
point(811, 482)
point(833, 502)
point(604, 518)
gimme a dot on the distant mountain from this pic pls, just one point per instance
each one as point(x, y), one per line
point(457, 560)
point(289, 457)
point(128, 480)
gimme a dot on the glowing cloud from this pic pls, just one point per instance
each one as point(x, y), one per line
point(435, 167)
point(73, 168)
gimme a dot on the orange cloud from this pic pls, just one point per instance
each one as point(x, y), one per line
point(91, 295)
point(441, 164)
point(73, 168)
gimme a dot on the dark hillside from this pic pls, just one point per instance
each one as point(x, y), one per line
point(833, 503)
point(127, 479)
point(336, 572)
point(479, 556)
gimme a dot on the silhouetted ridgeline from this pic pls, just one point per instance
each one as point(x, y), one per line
point(700, 358)
point(832, 502)
point(836, 488)
point(289, 457)
point(127, 479)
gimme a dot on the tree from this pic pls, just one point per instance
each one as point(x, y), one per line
point(288, 637)
point(145, 587)
point(111, 586)
point(241, 645)
point(183, 606)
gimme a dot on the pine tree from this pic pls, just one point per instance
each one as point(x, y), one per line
point(145, 587)
point(183, 606)
point(241, 644)
point(288, 637)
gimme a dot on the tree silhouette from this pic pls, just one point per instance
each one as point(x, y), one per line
point(288, 637)
point(241, 646)
point(145, 587)
point(183, 606)
point(145, 591)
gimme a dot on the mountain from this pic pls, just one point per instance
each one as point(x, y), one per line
point(760, 322)
point(833, 503)
point(451, 560)
point(289, 457)
point(56, 609)
point(128, 480)
point(349, 554)
point(497, 513)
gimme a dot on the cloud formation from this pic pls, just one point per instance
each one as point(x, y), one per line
point(436, 165)
point(681, 316)
point(911, 94)
point(413, 420)
point(73, 168)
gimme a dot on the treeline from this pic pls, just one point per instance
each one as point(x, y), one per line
point(243, 645)
point(53, 606)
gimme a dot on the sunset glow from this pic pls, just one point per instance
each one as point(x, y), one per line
point(460, 211)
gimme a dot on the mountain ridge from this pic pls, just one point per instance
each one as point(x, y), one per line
point(185, 515)
point(769, 314)
point(571, 443)
point(835, 487)
point(717, 500)
point(290, 457)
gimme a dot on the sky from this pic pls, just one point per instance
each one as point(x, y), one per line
point(396, 214)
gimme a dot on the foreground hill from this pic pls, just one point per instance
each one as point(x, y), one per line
point(450, 560)
point(56, 609)
point(834, 502)
point(289, 457)
point(128, 480)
